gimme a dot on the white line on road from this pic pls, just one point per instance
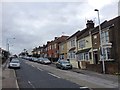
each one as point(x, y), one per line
point(40, 69)
point(54, 75)
point(83, 87)
point(31, 84)
point(33, 66)
point(16, 80)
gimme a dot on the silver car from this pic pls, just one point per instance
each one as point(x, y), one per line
point(15, 63)
point(45, 61)
point(63, 64)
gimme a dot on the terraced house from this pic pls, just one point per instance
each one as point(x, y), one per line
point(53, 47)
point(111, 46)
point(72, 49)
point(84, 46)
point(63, 50)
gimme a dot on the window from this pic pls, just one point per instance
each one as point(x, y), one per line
point(105, 37)
point(106, 53)
point(72, 55)
point(55, 45)
point(84, 56)
point(72, 43)
point(95, 36)
point(81, 43)
point(62, 47)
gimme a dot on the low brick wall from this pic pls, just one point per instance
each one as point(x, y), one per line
point(94, 67)
point(110, 67)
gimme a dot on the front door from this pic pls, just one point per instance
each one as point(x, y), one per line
point(96, 57)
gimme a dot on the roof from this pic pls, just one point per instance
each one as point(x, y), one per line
point(75, 34)
point(61, 39)
point(83, 33)
point(106, 23)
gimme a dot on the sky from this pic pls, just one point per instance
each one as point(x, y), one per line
point(34, 22)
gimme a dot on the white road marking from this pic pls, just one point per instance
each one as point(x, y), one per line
point(54, 75)
point(33, 66)
point(83, 87)
point(31, 84)
point(16, 80)
point(40, 69)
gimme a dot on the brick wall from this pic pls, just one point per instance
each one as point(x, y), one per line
point(110, 67)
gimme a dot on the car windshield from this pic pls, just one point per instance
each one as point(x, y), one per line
point(45, 59)
point(65, 62)
point(15, 61)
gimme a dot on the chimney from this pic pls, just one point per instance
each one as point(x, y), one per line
point(90, 24)
point(56, 38)
point(48, 42)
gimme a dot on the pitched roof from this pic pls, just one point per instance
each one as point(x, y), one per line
point(75, 34)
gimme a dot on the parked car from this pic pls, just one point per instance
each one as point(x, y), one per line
point(14, 63)
point(45, 61)
point(40, 59)
point(63, 64)
point(34, 59)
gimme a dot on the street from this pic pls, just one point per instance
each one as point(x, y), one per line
point(30, 76)
point(33, 75)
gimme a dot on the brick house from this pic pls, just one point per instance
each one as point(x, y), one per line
point(53, 47)
point(111, 46)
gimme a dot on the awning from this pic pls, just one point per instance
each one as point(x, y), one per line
point(84, 50)
point(72, 49)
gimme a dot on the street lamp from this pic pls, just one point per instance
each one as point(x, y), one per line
point(101, 48)
point(7, 43)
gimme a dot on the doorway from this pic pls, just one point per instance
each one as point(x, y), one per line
point(96, 57)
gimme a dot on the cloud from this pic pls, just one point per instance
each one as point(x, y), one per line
point(34, 23)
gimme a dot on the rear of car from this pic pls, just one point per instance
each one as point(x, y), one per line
point(46, 61)
point(40, 59)
point(15, 63)
point(64, 64)
point(35, 59)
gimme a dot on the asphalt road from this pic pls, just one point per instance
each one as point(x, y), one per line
point(29, 76)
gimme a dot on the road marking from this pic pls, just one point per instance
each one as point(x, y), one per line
point(16, 80)
point(31, 84)
point(54, 75)
point(40, 69)
point(83, 87)
point(33, 66)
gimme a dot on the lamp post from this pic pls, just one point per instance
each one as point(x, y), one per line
point(7, 43)
point(101, 48)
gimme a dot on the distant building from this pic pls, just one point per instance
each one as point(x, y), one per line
point(63, 50)
point(53, 47)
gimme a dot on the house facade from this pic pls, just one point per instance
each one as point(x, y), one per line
point(110, 42)
point(63, 50)
point(72, 49)
point(53, 47)
point(84, 46)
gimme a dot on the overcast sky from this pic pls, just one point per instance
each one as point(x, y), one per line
point(35, 23)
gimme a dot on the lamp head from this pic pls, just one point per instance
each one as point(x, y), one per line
point(96, 10)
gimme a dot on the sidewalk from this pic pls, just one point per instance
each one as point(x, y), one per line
point(109, 77)
point(9, 79)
